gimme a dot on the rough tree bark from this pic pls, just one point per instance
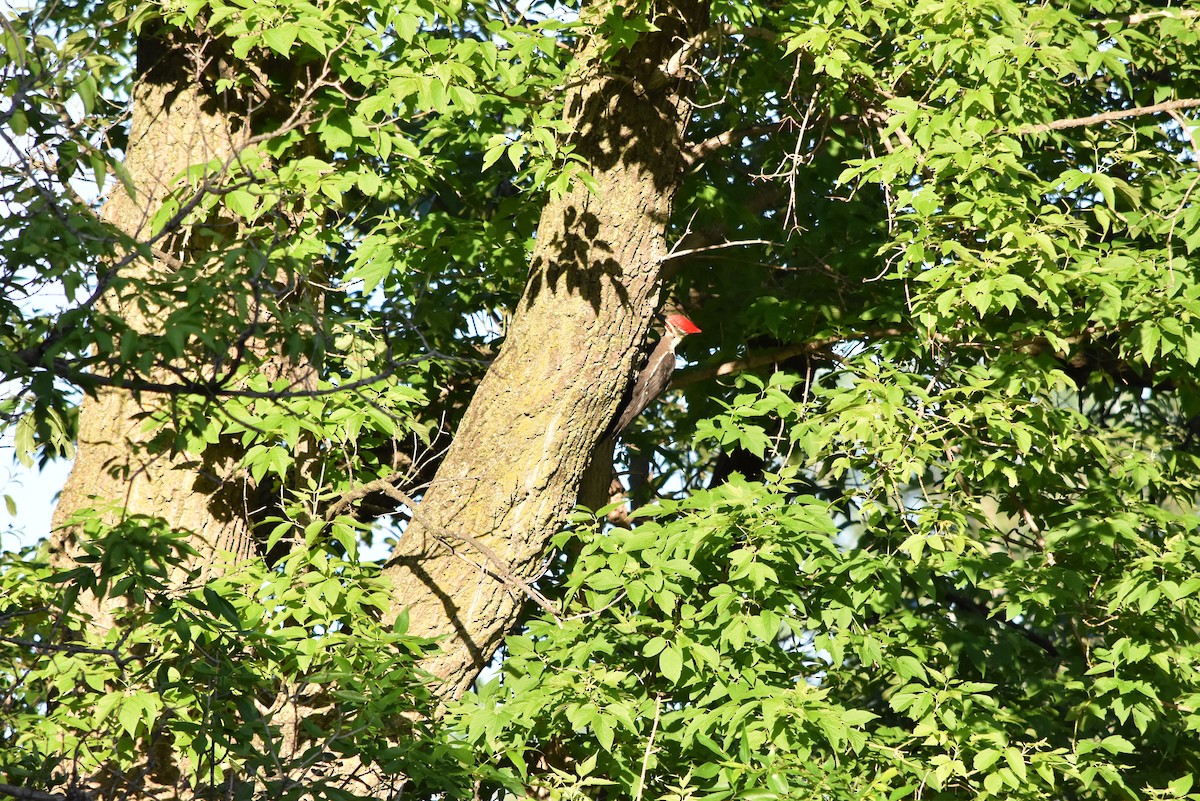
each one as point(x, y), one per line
point(175, 123)
point(514, 470)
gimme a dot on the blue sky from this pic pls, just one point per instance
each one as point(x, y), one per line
point(34, 494)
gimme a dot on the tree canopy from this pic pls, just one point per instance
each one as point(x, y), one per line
point(333, 302)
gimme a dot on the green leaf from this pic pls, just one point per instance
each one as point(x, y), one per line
point(129, 716)
point(670, 663)
point(985, 759)
point(654, 646)
point(1016, 763)
point(221, 607)
point(242, 203)
point(281, 38)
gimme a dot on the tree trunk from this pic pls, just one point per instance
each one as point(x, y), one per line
point(175, 124)
point(513, 473)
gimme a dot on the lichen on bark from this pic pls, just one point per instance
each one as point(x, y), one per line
point(514, 470)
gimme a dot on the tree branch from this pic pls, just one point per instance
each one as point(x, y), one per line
point(679, 254)
point(970, 604)
point(1108, 116)
point(1079, 358)
point(67, 648)
point(694, 375)
point(674, 66)
point(214, 389)
point(702, 150)
point(25, 794)
point(1146, 16)
point(344, 503)
point(641, 785)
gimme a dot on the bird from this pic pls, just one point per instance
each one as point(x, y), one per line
point(655, 375)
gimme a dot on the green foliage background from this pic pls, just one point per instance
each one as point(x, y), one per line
point(961, 558)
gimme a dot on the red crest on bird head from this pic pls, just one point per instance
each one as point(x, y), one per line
point(683, 324)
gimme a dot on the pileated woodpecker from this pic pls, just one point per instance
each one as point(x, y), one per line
point(656, 373)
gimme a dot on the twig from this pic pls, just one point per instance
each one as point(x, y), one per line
point(649, 747)
point(620, 596)
point(1109, 116)
point(1190, 133)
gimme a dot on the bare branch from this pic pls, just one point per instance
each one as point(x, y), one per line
point(1146, 16)
point(1030, 345)
point(679, 254)
point(344, 503)
point(674, 67)
point(685, 378)
point(702, 150)
point(1109, 116)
